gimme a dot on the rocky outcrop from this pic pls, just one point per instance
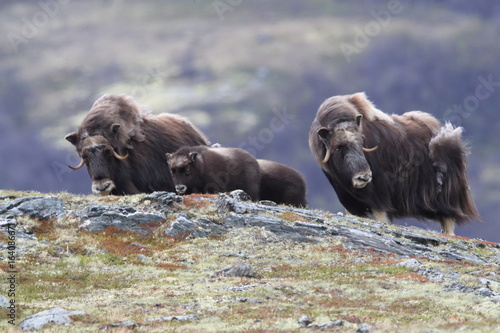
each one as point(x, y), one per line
point(184, 219)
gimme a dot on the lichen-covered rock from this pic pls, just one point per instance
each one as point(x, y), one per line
point(165, 198)
point(238, 270)
point(39, 207)
point(300, 257)
point(182, 228)
point(53, 316)
point(95, 218)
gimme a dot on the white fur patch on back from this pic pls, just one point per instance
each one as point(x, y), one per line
point(368, 109)
point(446, 133)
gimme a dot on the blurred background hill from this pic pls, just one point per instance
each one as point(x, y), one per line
point(250, 74)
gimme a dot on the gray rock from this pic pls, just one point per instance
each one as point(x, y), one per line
point(329, 324)
point(304, 321)
point(363, 328)
point(267, 203)
point(175, 318)
point(277, 226)
point(413, 264)
point(44, 208)
point(458, 286)
point(240, 195)
point(370, 239)
point(95, 218)
point(4, 302)
point(250, 300)
point(485, 292)
point(182, 228)
point(56, 316)
point(225, 203)
point(127, 323)
point(236, 254)
point(421, 238)
point(239, 270)
point(165, 198)
point(449, 255)
point(9, 226)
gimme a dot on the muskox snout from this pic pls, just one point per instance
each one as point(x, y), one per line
point(180, 189)
point(103, 187)
point(362, 179)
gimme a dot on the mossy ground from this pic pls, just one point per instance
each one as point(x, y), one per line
point(114, 276)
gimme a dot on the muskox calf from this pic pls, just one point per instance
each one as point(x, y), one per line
point(211, 170)
point(281, 184)
point(124, 146)
point(392, 166)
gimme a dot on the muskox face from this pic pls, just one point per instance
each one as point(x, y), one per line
point(105, 136)
point(344, 154)
point(184, 172)
point(101, 159)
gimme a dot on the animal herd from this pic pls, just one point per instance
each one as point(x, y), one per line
point(381, 166)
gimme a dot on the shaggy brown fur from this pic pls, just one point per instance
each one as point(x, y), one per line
point(281, 184)
point(123, 126)
point(211, 170)
point(418, 169)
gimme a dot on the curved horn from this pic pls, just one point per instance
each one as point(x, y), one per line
point(369, 150)
point(121, 158)
point(78, 166)
point(327, 157)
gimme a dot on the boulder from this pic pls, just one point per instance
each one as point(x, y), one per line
point(55, 316)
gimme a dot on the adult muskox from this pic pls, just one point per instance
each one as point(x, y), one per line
point(124, 146)
point(392, 166)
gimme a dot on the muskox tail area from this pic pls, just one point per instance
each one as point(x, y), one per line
point(449, 156)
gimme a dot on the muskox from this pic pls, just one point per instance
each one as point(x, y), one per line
point(124, 146)
point(203, 169)
point(281, 184)
point(392, 166)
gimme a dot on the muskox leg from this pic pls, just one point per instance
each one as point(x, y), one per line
point(448, 226)
point(380, 216)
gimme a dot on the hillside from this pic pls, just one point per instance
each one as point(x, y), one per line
point(233, 71)
point(218, 263)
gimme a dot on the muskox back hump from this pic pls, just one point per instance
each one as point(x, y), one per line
point(231, 169)
point(281, 184)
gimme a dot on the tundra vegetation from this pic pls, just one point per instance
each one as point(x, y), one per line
point(161, 262)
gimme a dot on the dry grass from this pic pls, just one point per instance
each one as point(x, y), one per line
point(116, 275)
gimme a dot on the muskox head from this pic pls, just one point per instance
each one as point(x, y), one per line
point(102, 161)
point(184, 170)
point(105, 136)
point(337, 137)
point(343, 144)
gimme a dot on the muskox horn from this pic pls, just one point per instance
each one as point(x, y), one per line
point(78, 166)
point(121, 158)
point(369, 150)
point(327, 157)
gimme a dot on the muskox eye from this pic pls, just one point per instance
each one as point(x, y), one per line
point(188, 171)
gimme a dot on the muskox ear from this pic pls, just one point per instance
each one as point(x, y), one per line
point(192, 156)
point(358, 119)
point(115, 128)
point(72, 138)
point(323, 133)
